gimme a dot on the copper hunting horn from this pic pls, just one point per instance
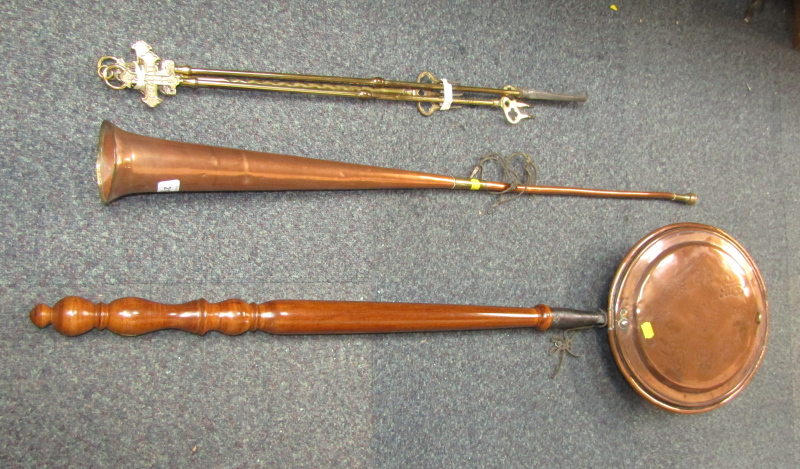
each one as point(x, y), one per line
point(150, 75)
point(687, 317)
point(130, 164)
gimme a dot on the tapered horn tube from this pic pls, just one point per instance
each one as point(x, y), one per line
point(128, 163)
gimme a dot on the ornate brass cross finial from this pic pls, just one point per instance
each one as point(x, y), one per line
point(143, 75)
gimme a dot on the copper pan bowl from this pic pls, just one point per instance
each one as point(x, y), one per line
point(688, 317)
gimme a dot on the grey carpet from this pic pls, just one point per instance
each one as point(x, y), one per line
point(683, 96)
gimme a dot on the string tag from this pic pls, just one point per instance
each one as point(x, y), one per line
point(510, 176)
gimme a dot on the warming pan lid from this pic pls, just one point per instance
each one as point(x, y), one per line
point(688, 317)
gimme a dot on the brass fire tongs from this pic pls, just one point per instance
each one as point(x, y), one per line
point(430, 93)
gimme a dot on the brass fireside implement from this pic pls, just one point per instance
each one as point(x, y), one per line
point(430, 93)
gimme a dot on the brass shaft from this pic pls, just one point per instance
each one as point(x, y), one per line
point(344, 90)
point(480, 185)
point(376, 81)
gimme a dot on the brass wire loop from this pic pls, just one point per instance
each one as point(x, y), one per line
point(111, 72)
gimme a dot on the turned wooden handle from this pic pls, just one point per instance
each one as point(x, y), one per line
point(133, 316)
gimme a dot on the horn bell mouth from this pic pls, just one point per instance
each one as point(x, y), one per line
point(106, 166)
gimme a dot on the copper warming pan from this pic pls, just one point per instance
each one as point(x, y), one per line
point(687, 317)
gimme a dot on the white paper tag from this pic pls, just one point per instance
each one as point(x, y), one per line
point(448, 94)
point(173, 185)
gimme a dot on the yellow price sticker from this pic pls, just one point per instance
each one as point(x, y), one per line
point(647, 330)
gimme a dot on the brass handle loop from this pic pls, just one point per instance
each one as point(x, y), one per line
point(111, 72)
point(433, 107)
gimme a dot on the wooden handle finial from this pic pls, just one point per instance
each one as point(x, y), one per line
point(70, 316)
point(41, 315)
